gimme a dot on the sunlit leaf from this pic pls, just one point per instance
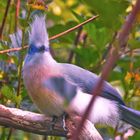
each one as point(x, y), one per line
point(136, 136)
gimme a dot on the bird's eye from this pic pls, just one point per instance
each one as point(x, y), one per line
point(33, 49)
point(30, 50)
point(42, 48)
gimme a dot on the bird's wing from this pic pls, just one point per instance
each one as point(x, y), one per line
point(62, 87)
point(87, 81)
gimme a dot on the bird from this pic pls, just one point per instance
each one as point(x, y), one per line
point(58, 88)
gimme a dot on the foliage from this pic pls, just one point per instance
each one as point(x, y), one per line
point(89, 49)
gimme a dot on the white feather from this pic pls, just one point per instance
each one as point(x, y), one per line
point(38, 35)
point(16, 39)
point(103, 111)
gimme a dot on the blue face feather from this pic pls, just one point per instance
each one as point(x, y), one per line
point(33, 49)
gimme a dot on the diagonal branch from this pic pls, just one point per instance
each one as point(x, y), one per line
point(55, 36)
point(17, 13)
point(4, 18)
point(112, 58)
point(76, 41)
point(74, 28)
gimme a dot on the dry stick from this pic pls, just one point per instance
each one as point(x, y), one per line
point(72, 29)
point(17, 14)
point(71, 54)
point(55, 36)
point(1, 31)
point(10, 133)
point(4, 18)
point(109, 46)
point(16, 23)
point(84, 40)
point(98, 65)
point(113, 57)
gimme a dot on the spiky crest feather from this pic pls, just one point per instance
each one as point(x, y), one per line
point(38, 35)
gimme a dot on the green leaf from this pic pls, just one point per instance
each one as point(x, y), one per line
point(61, 28)
point(109, 10)
point(8, 93)
point(115, 75)
point(18, 99)
point(137, 62)
point(100, 36)
point(136, 136)
point(79, 17)
point(86, 57)
point(134, 43)
point(124, 63)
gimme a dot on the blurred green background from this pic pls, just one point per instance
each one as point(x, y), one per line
point(86, 47)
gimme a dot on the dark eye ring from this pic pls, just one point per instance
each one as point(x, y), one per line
point(30, 49)
point(42, 48)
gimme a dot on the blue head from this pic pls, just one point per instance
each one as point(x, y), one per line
point(38, 42)
point(38, 36)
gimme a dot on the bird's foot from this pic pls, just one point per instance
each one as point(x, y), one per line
point(54, 120)
point(64, 122)
point(62, 119)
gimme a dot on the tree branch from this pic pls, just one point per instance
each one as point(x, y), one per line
point(4, 18)
point(40, 124)
point(28, 121)
point(55, 36)
point(76, 41)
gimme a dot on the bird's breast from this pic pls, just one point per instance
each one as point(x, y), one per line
point(46, 100)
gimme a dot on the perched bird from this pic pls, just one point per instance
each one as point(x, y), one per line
point(60, 87)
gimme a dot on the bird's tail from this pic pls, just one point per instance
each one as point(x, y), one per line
point(130, 116)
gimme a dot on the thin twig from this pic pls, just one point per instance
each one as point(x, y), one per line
point(12, 50)
point(21, 60)
point(113, 57)
point(16, 23)
point(109, 46)
point(75, 27)
point(4, 18)
point(55, 36)
point(10, 133)
point(17, 14)
point(98, 65)
point(71, 54)
point(84, 40)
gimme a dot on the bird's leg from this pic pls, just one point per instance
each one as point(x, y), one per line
point(54, 120)
point(64, 121)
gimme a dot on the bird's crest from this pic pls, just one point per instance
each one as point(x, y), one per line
point(38, 35)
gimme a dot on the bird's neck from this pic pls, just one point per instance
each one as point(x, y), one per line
point(48, 59)
point(40, 59)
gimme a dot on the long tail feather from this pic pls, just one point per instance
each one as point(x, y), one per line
point(130, 116)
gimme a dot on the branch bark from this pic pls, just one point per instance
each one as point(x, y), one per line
point(40, 124)
point(4, 18)
point(53, 37)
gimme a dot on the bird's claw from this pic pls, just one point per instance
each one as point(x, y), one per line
point(64, 122)
point(54, 120)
